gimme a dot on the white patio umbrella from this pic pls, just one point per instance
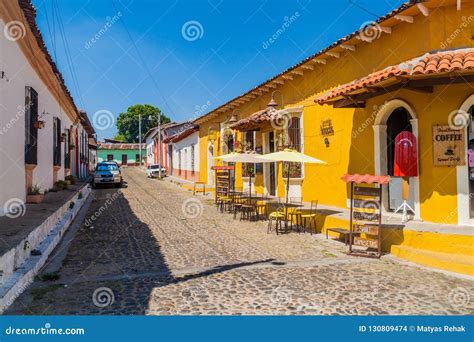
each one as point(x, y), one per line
point(291, 156)
point(246, 157)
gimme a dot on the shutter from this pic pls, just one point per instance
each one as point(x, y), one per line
point(31, 133)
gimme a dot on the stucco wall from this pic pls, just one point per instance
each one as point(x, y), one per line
point(345, 152)
point(18, 75)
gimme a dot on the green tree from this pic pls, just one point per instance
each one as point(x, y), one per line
point(120, 137)
point(127, 122)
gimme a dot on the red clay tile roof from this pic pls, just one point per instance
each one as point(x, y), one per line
point(391, 14)
point(255, 120)
point(183, 134)
point(455, 61)
point(119, 146)
point(369, 179)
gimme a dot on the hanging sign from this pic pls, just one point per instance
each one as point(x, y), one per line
point(448, 146)
point(405, 163)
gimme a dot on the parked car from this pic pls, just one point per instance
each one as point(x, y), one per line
point(152, 171)
point(107, 173)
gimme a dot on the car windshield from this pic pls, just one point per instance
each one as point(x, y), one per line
point(107, 167)
point(155, 167)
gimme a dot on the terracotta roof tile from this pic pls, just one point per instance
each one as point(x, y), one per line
point(255, 119)
point(369, 179)
point(461, 60)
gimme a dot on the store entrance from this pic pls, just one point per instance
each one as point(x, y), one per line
point(398, 121)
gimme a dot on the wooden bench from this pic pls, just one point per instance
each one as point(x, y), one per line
point(202, 188)
point(346, 233)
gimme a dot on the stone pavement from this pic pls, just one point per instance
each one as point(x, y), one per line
point(153, 248)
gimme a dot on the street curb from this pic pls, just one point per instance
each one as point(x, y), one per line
point(24, 275)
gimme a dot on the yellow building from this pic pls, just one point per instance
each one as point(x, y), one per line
point(412, 69)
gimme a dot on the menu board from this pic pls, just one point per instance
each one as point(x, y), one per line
point(448, 146)
point(365, 220)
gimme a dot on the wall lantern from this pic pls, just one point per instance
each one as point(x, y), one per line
point(326, 141)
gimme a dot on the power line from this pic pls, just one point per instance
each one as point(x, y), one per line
point(67, 51)
point(363, 9)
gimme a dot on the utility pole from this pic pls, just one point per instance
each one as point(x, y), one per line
point(159, 145)
point(140, 136)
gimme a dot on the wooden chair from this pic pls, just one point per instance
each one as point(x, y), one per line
point(309, 218)
point(199, 187)
point(294, 214)
point(278, 216)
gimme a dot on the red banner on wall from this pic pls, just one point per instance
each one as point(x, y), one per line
point(406, 157)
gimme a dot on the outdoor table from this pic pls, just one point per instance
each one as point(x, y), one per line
point(290, 206)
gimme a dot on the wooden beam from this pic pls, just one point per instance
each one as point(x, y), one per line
point(297, 72)
point(319, 61)
point(307, 67)
point(385, 29)
point(349, 47)
point(423, 9)
point(349, 103)
point(405, 18)
point(333, 54)
point(279, 81)
point(287, 77)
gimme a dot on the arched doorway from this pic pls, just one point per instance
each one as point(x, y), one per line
point(393, 117)
point(465, 181)
point(210, 164)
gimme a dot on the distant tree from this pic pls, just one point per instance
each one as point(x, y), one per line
point(127, 123)
point(120, 137)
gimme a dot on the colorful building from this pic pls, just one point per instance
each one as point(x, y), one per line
point(43, 134)
point(411, 70)
point(184, 156)
point(122, 153)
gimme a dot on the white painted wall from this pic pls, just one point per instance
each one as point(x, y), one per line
point(18, 75)
point(150, 150)
point(185, 147)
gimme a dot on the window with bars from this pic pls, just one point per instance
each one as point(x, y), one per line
point(57, 141)
point(31, 131)
point(294, 143)
point(248, 169)
point(67, 150)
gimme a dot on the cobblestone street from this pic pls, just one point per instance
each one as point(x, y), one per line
point(155, 249)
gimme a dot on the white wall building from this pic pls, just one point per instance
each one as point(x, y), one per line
point(41, 131)
point(185, 154)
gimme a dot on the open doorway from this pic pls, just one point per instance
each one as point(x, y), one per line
point(397, 122)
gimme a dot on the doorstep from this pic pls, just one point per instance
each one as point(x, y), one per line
point(40, 229)
point(441, 246)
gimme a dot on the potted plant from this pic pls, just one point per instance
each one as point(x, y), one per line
point(39, 124)
point(34, 194)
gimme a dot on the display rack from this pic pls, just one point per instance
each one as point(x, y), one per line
point(365, 237)
point(223, 182)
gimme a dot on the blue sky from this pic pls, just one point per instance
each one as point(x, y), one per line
point(223, 52)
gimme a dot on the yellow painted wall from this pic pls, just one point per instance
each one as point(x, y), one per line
point(351, 148)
